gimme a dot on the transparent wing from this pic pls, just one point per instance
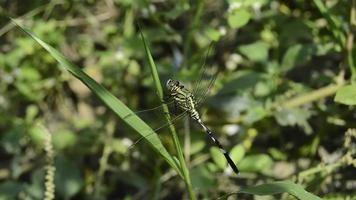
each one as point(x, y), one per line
point(197, 84)
point(158, 109)
point(173, 120)
point(206, 80)
point(204, 91)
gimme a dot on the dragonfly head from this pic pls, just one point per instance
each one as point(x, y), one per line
point(172, 84)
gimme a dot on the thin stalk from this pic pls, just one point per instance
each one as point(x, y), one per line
point(312, 96)
point(350, 42)
point(103, 162)
point(329, 168)
point(157, 82)
point(187, 140)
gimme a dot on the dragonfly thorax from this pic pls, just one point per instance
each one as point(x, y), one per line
point(183, 98)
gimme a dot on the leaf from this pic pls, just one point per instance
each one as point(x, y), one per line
point(68, 180)
point(346, 95)
point(255, 114)
point(218, 157)
point(37, 135)
point(237, 153)
point(213, 34)
point(297, 54)
point(119, 108)
point(277, 188)
point(294, 116)
point(257, 51)
point(202, 178)
point(245, 80)
point(63, 139)
point(280, 187)
point(196, 146)
point(256, 163)
point(10, 189)
point(238, 18)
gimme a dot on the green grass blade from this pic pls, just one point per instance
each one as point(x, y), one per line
point(184, 169)
point(278, 188)
point(109, 100)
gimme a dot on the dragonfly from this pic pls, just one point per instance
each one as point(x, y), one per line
point(186, 101)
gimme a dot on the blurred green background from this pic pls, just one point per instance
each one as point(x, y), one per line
point(272, 106)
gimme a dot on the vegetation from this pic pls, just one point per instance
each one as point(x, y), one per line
point(282, 103)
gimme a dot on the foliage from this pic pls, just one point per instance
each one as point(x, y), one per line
point(281, 64)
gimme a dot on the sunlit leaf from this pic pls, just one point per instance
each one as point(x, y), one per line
point(218, 157)
point(237, 153)
point(346, 95)
point(280, 187)
point(238, 18)
point(63, 139)
point(294, 116)
point(276, 188)
point(255, 163)
point(257, 51)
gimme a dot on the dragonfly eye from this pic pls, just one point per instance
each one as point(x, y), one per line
point(170, 84)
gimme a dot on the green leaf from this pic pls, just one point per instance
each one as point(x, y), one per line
point(10, 189)
point(255, 114)
point(37, 135)
point(202, 178)
point(294, 116)
point(297, 54)
point(119, 108)
point(280, 187)
point(196, 146)
point(237, 153)
point(346, 95)
point(218, 157)
point(68, 179)
point(213, 34)
point(277, 154)
point(63, 139)
point(257, 51)
point(238, 18)
point(256, 163)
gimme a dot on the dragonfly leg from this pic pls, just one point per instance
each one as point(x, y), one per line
point(166, 99)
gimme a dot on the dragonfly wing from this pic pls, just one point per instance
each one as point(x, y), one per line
point(202, 70)
point(204, 92)
point(172, 121)
point(151, 110)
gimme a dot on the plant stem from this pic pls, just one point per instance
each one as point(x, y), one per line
point(350, 41)
point(183, 167)
point(103, 162)
point(312, 96)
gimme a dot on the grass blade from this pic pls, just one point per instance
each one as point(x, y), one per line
point(278, 188)
point(184, 169)
point(109, 100)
